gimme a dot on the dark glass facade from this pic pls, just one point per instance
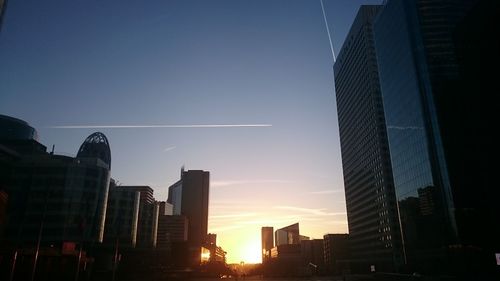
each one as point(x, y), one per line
point(16, 129)
point(67, 194)
point(371, 204)
point(147, 215)
point(122, 216)
point(438, 163)
point(287, 235)
point(189, 197)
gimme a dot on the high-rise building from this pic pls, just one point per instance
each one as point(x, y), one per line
point(369, 189)
point(189, 197)
point(122, 216)
point(267, 242)
point(438, 128)
point(147, 217)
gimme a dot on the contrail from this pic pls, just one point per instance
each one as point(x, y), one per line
point(158, 126)
point(328, 31)
point(169, 148)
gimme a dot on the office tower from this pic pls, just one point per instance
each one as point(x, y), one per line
point(438, 128)
point(288, 235)
point(148, 215)
point(189, 197)
point(336, 252)
point(369, 190)
point(267, 242)
point(122, 216)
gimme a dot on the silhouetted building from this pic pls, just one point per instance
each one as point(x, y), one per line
point(286, 259)
point(148, 215)
point(189, 197)
point(287, 235)
point(312, 252)
point(303, 237)
point(217, 254)
point(16, 129)
point(172, 229)
point(54, 201)
point(439, 130)
point(267, 242)
point(68, 195)
point(211, 239)
point(336, 253)
point(369, 189)
point(122, 215)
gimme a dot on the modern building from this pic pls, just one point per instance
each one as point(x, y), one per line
point(189, 197)
point(122, 216)
point(56, 204)
point(369, 189)
point(287, 235)
point(147, 217)
point(336, 253)
point(16, 129)
point(172, 229)
point(267, 242)
point(63, 195)
point(436, 97)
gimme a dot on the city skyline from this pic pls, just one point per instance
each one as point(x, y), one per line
point(270, 65)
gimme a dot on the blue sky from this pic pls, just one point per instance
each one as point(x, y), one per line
point(192, 62)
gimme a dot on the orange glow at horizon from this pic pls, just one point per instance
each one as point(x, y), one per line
point(238, 225)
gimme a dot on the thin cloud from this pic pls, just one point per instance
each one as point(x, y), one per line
point(224, 228)
point(160, 126)
point(316, 212)
point(232, 216)
point(245, 182)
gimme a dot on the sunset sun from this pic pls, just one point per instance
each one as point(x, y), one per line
point(251, 252)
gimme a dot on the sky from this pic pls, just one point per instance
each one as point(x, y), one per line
point(140, 64)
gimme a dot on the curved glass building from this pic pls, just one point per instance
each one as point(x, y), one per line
point(16, 129)
point(96, 145)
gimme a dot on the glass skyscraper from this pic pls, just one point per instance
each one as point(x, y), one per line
point(437, 152)
point(371, 205)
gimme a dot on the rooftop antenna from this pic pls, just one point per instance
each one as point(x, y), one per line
point(328, 31)
point(53, 147)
